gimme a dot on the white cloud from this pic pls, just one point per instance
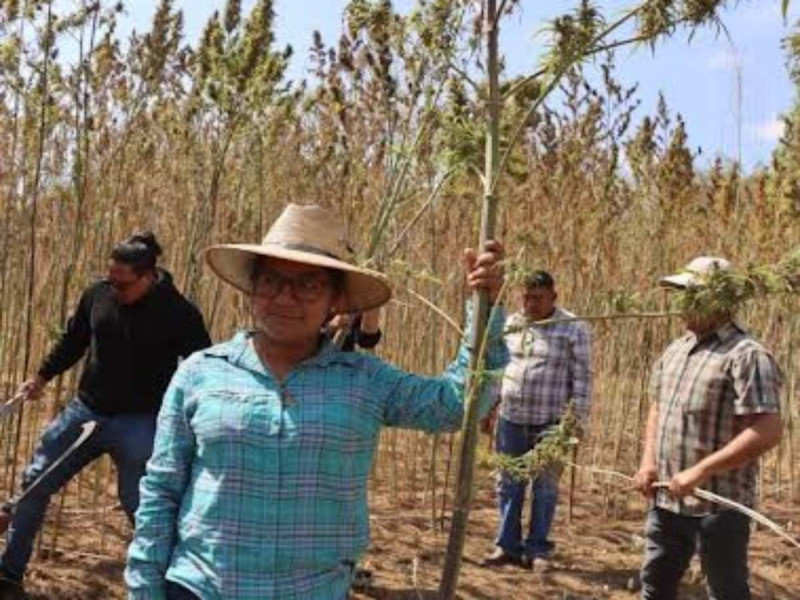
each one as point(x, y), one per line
point(770, 130)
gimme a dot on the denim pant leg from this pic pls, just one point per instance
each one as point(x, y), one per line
point(129, 440)
point(723, 551)
point(29, 513)
point(544, 498)
point(670, 544)
point(511, 438)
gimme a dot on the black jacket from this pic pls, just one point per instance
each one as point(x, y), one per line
point(356, 336)
point(133, 349)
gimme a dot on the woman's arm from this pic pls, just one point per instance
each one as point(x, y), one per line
point(161, 493)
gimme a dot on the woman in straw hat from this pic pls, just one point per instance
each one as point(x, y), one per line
point(257, 487)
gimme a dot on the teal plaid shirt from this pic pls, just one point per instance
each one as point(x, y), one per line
point(257, 489)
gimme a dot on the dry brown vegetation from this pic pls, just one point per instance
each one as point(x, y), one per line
point(207, 143)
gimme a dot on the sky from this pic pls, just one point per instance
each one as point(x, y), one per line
point(724, 86)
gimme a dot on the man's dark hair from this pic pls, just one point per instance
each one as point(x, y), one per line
point(541, 279)
point(140, 252)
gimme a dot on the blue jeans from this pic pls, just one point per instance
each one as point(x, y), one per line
point(127, 438)
point(515, 440)
point(672, 539)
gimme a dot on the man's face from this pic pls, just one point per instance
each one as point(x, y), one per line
point(701, 323)
point(698, 317)
point(129, 285)
point(538, 302)
point(291, 300)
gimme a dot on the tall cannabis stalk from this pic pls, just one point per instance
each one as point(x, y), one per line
point(469, 440)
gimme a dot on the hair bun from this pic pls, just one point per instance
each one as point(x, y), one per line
point(148, 238)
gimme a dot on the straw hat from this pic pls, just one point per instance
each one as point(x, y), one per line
point(694, 274)
point(310, 235)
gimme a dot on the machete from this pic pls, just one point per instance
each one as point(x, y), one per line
point(6, 511)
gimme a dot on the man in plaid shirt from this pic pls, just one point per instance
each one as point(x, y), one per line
point(549, 368)
point(715, 410)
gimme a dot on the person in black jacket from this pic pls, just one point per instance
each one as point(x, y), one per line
point(136, 327)
point(360, 329)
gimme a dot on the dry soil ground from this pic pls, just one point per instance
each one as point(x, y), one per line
point(596, 557)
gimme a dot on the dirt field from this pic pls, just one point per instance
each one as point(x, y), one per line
point(596, 556)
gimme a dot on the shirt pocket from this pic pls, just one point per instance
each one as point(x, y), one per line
point(548, 350)
point(235, 417)
point(705, 399)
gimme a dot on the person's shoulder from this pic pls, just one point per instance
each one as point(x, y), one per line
point(225, 349)
point(189, 307)
point(355, 359)
point(167, 285)
point(98, 287)
point(741, 342)
point(183, 305)
point(677, 343)
point(745, 352)
point(206, 360)
point(364, 362)
point(576, 326)
point(98, 284)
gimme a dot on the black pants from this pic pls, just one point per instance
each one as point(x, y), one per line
point(178, 592)
point(672, 540)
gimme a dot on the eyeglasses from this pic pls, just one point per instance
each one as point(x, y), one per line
point(307, 287)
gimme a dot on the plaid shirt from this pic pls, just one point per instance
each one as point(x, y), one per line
point(257, 489)
point(550, 364)
point(701, 386)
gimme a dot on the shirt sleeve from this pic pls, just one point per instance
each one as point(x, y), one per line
point(581, 372)
point(436, 403)
point(654, 389)
point(757, 383)
point(73, 342)
point(161, 491)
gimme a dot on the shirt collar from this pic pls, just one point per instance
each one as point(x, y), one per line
point(519, 316)
point(239, 351)
point(721, 334)
point(728, 330)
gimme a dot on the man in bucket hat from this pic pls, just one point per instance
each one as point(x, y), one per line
point(715, 410)
point(257, 487)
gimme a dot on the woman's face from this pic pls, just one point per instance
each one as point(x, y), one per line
point(291, 301)
point(129, 285)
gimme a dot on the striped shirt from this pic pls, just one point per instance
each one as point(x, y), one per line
point(257, 489)
point(702, 386)
point(550, 365)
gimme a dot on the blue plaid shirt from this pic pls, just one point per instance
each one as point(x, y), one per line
point(257, 489)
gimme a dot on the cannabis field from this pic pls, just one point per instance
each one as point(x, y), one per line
point(205, 141)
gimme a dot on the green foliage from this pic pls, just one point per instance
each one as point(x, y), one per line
point(725, 291)
point(573, 35)
point(551, 453)
point(659, 18)
point(235, 67)
point(784, 179)
point(11, 8)
point(155, 54)
point(233, 15)
point(624, 301)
